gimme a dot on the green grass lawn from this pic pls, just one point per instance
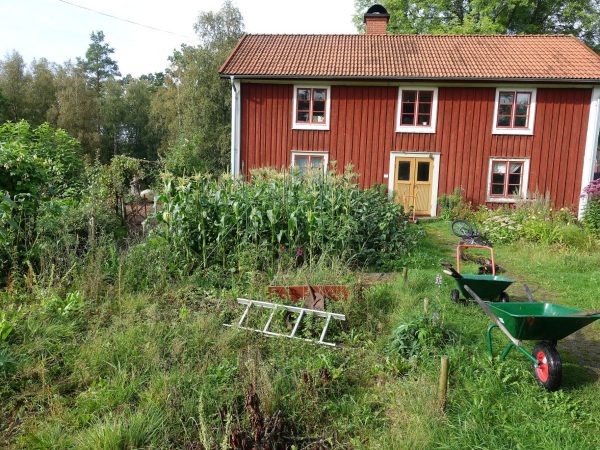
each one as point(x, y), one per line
point(158, 370)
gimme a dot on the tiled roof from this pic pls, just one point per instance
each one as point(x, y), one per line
point(452, 57)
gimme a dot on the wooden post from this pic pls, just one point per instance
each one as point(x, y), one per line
point(425, 305)
point(443, 386)
point(405, 274)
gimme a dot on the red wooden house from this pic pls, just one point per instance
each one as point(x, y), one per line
point(499, 116)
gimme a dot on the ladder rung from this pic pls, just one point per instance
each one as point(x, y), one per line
point(325, 329)
point(244, 315)
point(269, 321)
point(297, 324)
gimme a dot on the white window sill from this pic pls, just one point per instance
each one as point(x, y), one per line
point(502, 199)
point(513, 131)
point(298, 126)
point(415, 129)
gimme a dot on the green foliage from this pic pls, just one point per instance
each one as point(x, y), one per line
point(212, 221)
point(420, 337)
point(580, 18)
point(6, 327)
point(193, 110)
point(591, 217)
point(68, 305)
point(98, 65)
point(454, 206)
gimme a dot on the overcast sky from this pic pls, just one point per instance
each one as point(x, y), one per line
point(58, 31)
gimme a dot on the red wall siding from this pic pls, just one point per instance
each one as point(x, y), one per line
point(362, 133)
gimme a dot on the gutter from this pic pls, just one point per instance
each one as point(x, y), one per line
point(592, 81)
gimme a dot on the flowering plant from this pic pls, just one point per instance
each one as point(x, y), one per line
point(592, 189)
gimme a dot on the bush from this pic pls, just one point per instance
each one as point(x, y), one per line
point(419, 337)
point(209, 221)
point(591, 217)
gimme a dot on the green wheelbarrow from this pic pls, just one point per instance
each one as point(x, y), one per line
point(544, 322)
point(488, 287)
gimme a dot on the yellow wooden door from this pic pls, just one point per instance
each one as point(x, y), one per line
point(412, 183)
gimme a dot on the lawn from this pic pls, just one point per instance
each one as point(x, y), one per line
point(111, 369)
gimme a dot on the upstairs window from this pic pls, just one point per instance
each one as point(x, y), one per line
point(417, 110)
point(311, 107)
point(514, 111)
point(507, 179)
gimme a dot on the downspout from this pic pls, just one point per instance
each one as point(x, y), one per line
point(591, 148)
point(235, 126)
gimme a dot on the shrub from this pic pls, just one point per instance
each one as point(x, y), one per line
point(591, 217)
point(210, 221)
point(419, 337)
point(454, 206)
point(501, 228)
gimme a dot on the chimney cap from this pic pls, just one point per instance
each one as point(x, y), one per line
point(376, 10)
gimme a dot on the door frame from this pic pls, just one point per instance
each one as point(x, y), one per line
point(434, 182)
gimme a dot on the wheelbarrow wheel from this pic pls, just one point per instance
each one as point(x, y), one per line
point(504, 297)
point(455, 295)
point(548, 373)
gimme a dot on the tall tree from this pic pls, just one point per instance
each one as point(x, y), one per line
point(193, 109)
point(98, 65)
point(76, 108)
point(14, 81)
point(41, 92)
point(580, 18)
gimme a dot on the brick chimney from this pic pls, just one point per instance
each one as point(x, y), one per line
point(376, 19)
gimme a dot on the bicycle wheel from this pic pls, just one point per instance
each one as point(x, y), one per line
point(462, 229)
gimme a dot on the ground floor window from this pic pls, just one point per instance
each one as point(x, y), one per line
point(507, 179)
point(305, 162)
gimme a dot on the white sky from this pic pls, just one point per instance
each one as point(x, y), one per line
point(59, 32)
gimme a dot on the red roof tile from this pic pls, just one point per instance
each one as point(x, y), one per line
point(453, 57)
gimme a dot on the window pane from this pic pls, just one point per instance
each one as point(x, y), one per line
point(520, 121)
point(516, 167)
point(498, 178)
point(521, 110)
point(303, 94)
point(514, 189)
point(503, 121)
point(318, 117)
point(319, 94)
point(423, 120)
point(514, 178)
point(319, 106)
point(408, 119)
point(423, 171)
point(316, 162)
point(404, 171)
point(408, 108)
point(497, 189)
point(426, 96)
point(301, 161)
point(507, 97)
point(499, 167)
point(505, 110)
point(303, 105)
point(409, 96)
point(523, 98)
point(424, 108)
point(302, 117)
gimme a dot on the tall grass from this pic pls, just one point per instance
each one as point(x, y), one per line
point(276, 216)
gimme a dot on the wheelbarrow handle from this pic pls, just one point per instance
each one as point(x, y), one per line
point(493, 316)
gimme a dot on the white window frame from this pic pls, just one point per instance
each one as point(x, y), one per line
point(311, 126)
point(417, 128)
point(325, 156)
point(524, 180)
point(530, 120)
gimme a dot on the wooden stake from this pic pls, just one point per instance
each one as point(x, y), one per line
point(405, 274)
point(443, 386)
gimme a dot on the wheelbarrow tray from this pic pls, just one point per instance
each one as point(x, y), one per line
point(540, 321)
point(488, 287)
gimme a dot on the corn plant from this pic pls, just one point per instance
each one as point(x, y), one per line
point(210, 221)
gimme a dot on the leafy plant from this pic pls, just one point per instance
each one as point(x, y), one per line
point(419, 337)
point(6, 327)
point(64, 306)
